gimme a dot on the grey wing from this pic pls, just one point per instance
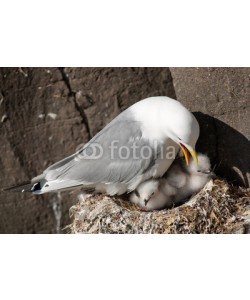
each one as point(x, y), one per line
point(118, 153)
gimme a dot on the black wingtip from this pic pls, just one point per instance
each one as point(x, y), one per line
point(25, 187)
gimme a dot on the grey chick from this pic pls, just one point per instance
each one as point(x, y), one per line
point(179, 183)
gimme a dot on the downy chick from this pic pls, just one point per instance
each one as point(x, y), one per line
point(153, 194)
point(179, 183)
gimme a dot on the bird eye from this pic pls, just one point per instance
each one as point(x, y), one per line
point(198, 171)
point(152, 194)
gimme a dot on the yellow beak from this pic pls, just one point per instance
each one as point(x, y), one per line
point(186, 154)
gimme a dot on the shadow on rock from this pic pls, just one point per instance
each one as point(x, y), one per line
point(227, 148)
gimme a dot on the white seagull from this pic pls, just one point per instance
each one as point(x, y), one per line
point(139, 144)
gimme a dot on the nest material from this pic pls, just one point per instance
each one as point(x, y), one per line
point(217, 208)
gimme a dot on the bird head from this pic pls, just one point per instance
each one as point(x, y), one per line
point(203, 168)
point(184, 130)
point(146, 190)
point(167, 118)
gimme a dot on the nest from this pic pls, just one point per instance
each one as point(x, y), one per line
point(217, 208)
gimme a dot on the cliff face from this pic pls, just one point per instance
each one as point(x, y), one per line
point(46, 113)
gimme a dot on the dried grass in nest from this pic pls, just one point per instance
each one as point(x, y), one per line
point(217, 208)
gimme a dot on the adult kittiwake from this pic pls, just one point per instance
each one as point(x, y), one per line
point(139, 144)
point(177, 185)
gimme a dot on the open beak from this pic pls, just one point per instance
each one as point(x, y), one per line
point(186, 154)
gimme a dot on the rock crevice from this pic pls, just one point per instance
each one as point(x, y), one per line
point(72, 95)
